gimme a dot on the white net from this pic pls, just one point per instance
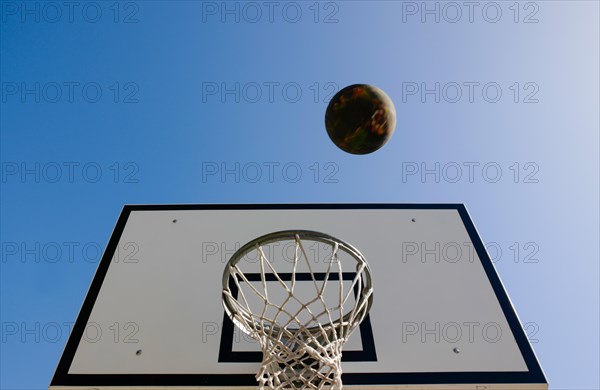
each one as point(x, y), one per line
point(301, 331)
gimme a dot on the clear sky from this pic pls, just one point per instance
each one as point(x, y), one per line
point(111, 103)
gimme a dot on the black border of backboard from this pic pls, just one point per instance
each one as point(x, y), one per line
point(534, 375)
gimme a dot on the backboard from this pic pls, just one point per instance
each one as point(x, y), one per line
point(440, 319)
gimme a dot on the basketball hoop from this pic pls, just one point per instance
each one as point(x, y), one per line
point(301, 337)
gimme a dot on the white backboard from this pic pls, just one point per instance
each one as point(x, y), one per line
point(153, 316)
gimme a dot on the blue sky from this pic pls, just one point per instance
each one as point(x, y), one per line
point(105, 104)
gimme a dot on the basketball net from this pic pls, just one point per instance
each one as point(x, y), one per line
point(305, 350)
